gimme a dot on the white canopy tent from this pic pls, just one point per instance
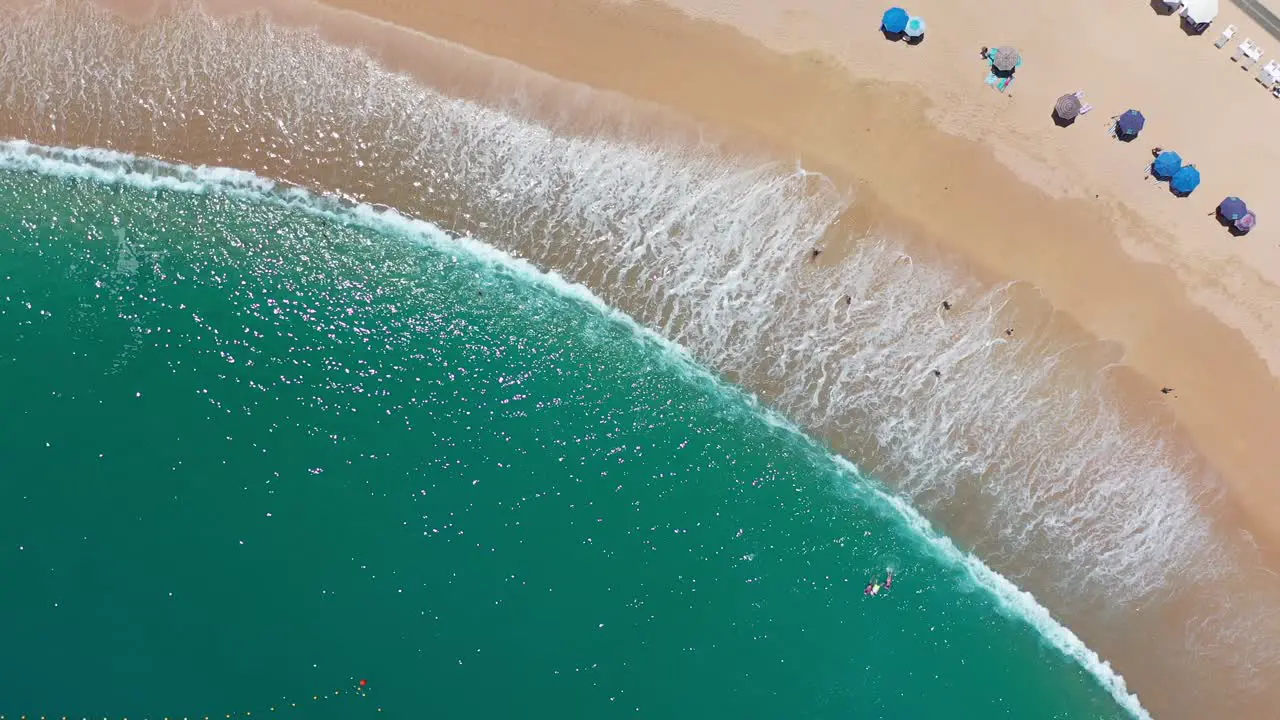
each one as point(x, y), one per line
point(1200, 11)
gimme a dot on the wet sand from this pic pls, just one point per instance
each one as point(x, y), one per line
point(913, 176)
point(958, 193)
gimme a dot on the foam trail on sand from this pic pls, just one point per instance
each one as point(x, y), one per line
point(105, 166)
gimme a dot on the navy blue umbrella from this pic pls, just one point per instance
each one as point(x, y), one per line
point(1167, 164)
point(1233, 208)
point(895, 20)
point(1130, 123)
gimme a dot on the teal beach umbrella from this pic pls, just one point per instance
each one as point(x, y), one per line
point(1185, 180)
point(895, 20)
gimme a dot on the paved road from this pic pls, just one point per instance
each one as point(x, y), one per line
point(1260, 15)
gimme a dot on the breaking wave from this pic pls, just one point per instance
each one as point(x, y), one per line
point(109, 167)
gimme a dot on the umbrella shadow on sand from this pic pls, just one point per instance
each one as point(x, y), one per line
point(892, 36)
point(1230, 225)
point(1191, 29)
point(1061, 121)
point(1161, 8)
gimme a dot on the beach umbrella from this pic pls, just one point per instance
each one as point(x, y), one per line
point(915, 27)
point(1185, 180)
point(1005, 59)
point(895, 20)
point(1130, 123)
point(1246, 222)
point(1068, 107)
point(1233, 208)
point(1200, 11)
point(1167, 164)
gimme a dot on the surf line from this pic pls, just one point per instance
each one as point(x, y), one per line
point(112, 167)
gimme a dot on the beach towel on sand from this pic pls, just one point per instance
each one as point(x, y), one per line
point(999, 83)
point(1002, 81)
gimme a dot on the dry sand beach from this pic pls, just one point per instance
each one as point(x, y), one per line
point(1160, 293)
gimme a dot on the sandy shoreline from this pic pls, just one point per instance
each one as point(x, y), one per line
point(1005, 214)
point(1001, 213)
point(1068, 244)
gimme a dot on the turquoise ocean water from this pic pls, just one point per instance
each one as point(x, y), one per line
point(255, 451)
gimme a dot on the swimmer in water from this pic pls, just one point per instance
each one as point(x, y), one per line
point(873, 588)
point(888, 583)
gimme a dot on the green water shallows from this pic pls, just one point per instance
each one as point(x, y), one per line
point(250, 456)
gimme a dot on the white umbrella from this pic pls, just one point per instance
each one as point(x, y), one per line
point(1200, 11)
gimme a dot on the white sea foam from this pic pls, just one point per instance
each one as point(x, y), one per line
point(105, 166)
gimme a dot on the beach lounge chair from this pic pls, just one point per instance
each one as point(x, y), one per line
point(1084, 106)
point(1227, 34)
point(1247, 54)
point(1269, 75)
point(1250, 60)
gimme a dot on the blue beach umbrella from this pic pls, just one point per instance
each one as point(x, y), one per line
point(1130, 123)
point(895, 20)
point(1167, 164)
point(1185, 180)
point(1232, 208)
point(915, 27)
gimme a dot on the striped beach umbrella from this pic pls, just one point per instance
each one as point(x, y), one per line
point(1246, 222)
point(1068, 106)
point(1006, 58)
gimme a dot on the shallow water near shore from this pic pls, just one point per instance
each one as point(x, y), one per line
point(258, 455)
point(1018, 449)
